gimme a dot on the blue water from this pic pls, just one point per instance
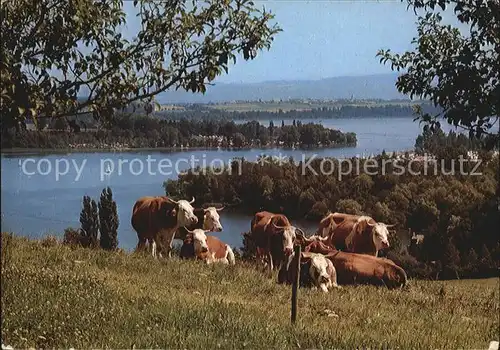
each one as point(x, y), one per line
point(47, 202)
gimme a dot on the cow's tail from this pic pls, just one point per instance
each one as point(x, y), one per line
point(230, 256)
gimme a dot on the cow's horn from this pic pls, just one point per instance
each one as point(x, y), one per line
point(370, 224)
point(219, 209)
point(389, 226)
point(188, 231)
point(301, 232)
point(171, 200)
point(192, 201)
point(278, 227)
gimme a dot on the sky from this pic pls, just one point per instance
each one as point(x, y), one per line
point(326, 38)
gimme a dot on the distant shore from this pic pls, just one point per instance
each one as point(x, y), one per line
point(21, 151)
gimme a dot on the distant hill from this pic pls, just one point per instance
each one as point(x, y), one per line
point(381, 86)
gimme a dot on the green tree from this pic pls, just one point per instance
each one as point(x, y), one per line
point(472, 262)
point(486, 263)
point(53, 52)
point(451, 259)
point(89, 220)
point(108, 220)
point(459, 73)
point(349, 206)
point(238, 140)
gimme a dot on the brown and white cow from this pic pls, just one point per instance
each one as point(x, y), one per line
point(352, 268)
point(316, 271)
point(197, 245)
point(355, 233)
point(273, 236)
point(208, 220)
point(156, 219)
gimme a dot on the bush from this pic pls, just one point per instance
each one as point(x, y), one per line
point(74, 237)
point(248, 251)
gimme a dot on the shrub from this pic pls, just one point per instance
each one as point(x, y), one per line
point(73, 237)
point(248, 251)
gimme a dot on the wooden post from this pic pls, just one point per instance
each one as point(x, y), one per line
point(295, 284)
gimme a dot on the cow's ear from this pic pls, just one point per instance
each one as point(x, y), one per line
point(173, 212)
point(189, 238)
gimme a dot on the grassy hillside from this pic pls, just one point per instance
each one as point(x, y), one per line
point(55, 296)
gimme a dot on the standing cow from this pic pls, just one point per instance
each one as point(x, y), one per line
point(355, 233)
point(156, 219)
point(197, 245)
point(273, 236)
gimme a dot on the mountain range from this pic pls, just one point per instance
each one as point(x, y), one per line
point(379, 86)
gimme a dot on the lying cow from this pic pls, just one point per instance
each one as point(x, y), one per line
point(156, 220)
point(208, 220)
point(355, 268)
point(315, 271)
point(273, 236)
point(197, 245)
point(355, 234)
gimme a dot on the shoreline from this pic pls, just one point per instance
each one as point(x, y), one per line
point(25, 151)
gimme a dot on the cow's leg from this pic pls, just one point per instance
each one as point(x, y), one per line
point(169, 240)
point(323, 287)
point(153, 248)
point(270, 259)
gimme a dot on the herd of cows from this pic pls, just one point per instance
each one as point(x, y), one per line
point(344, 249)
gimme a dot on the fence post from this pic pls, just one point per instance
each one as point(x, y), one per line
point(295, 284)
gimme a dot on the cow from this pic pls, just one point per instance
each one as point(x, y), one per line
point(197, 245)
point(355, 233)
point(304, 241)
point(352, 268)
point(316, 271)
point(156, 220)
point(208, 219)
point(273, 236)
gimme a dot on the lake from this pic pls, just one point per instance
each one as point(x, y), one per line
point(42, 193)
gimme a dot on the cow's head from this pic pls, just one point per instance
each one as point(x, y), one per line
point(318, 269)
point(199, 239)
point(288, 233)
point(211, 219)
point(184, 212)
point(380, 234)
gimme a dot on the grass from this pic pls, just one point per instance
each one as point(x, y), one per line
point(54, 296)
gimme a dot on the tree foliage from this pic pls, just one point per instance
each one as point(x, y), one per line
point(89, 220)
point(459, 73)
point(108, 220)
point(137, 132)
point(55, 51)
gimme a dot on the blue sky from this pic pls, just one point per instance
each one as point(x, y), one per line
point(322, 39)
